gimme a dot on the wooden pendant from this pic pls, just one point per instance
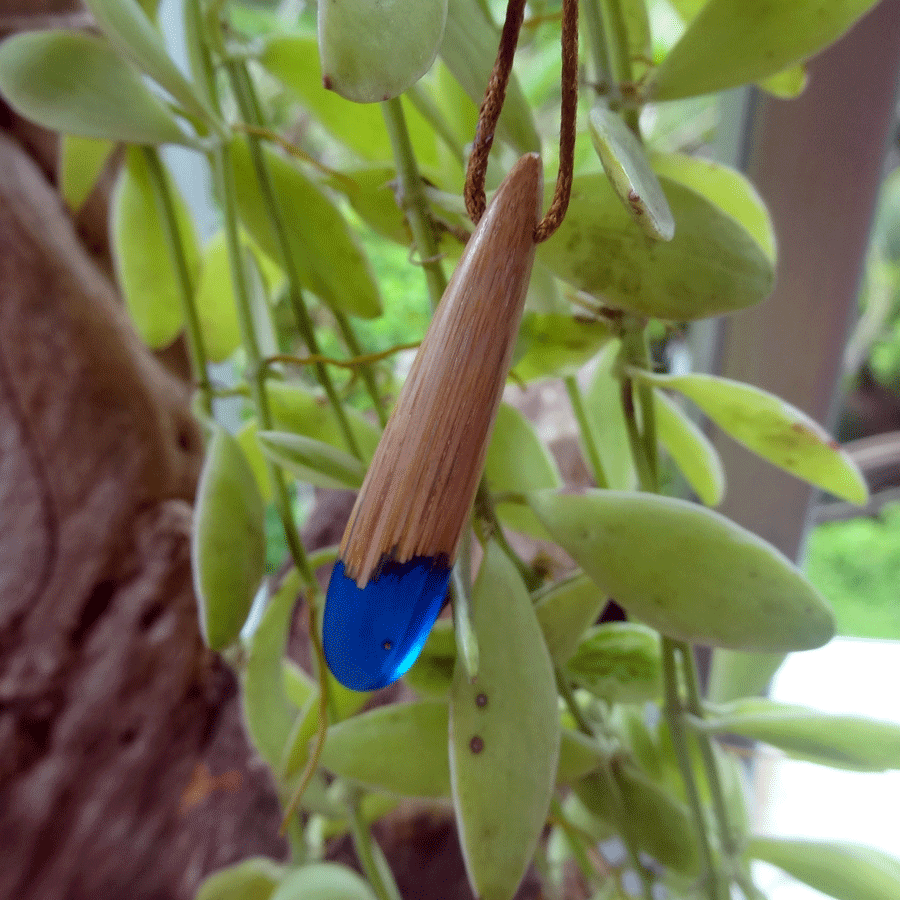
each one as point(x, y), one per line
point(391, 579)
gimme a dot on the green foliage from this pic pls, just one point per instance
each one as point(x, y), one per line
point(857, 564)
point(523, 696)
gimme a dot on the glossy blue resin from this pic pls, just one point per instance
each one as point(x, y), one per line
point(372, 635)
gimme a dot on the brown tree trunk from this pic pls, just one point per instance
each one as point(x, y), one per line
point(124, 767)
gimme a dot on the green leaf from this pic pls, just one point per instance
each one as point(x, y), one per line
point(370, 191)
point(660, 823)
point(728, 189)
point(687, 571)
point(143, 261)
point(556, 344)
point(372, 51)
point(786, 84)
point(636, 20)
point(81, 161)
point(619, 662)
point(312, 461)
point(603, 403)
point(326, 253)
point(323, 881)
point(253, 879)
point(771, 428)
point(844, 871)
point(843, 742)
point(246, 437)
point(628, 169)
point(730, 43)
point(134, 36)
point(269, 713)
point(518, 461)
point(302, 411)
point(432, 672)
point(228, 547)
point(468, 49)
point(107, 99)
point(578, 756)
point(711, 266)
point(734, 674)
point(504, 734)
point(565, 611)
point(400, 748)
point(294, 60)
point(690, 449)
point(216, 303)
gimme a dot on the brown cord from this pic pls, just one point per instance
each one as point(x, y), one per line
point(492, 104)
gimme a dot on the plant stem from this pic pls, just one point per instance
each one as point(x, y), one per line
point(248, 103)
point(612, 782)
point(376, 869)
point(413, 199)
point(368, 375)
point(695, 707)
point(673, 713)
point(165, 204)
point(603, 73)
point(587, 434)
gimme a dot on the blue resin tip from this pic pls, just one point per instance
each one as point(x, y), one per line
point(372, 635)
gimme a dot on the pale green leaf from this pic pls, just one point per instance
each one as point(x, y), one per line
point(294, 60)
point(603, 404)
point(400, 748)
point(269, 714)
point(372, 51)
point(302, 411)
point(691, 450)
point(215, 301)
point(325, 252)
point(432, 673)
point(713, 265)
point(553, 344)
point(323, 881)
point(732, 42)
point(619, 662)
point(659, 822)
point(147, 278)
point(468, 50)
point(518, 461)
point(81, 161)
point(727, 188)
point(771, 428)
point(844, 871)
point(840, 741)
point(246, 437)
point(253, 879)
point(106, 100)
point(228, 548)
point(786, 84)
point(312, 461)
point(687, 571)
point(565, 611)
point(134, 36)
point(628, 169)
point(504, 734)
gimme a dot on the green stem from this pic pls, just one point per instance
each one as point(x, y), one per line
point(603, 72)
point(673, 713)
point(695, 707)
point(165, 204)
point(368, 374)
point(413, 199)
point(612, 782)
point(642, 440)
point(248, 104)
point(587, 434)
point(466, 639)
point(370, 858)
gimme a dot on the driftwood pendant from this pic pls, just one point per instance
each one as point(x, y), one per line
point(391, 579)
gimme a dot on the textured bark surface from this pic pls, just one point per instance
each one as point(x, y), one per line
point(124, 768)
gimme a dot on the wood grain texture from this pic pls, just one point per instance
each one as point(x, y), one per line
point(419, 489)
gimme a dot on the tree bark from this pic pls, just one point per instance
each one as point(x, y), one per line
point(124, 767)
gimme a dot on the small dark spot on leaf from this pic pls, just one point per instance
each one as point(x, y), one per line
point(327, 82)
point(387, 645)
point(632, 195)
point(481, 700)
point(476, 745)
